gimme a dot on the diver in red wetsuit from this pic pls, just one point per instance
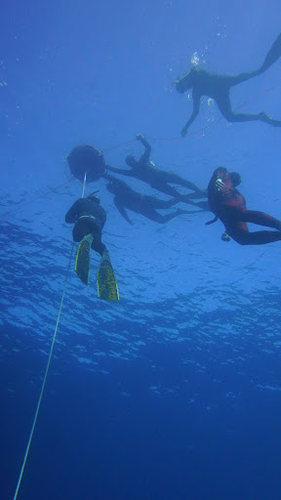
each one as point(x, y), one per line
point(229, 206)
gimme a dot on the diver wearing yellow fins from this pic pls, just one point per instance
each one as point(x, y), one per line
point(89, 218)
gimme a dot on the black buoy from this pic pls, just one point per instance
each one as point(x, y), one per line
point(86, 159)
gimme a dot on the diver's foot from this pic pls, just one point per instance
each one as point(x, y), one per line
point(276, 123)
point(265, 118)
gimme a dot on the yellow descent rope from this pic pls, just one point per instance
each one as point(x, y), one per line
point(84, 184)
point(44, 379)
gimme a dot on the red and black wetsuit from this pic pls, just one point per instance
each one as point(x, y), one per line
point(230, 207)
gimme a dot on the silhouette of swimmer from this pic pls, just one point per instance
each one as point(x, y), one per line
point(216, 86)
point(126, 197)
point(229, 206)
point(145, 170)
point(89, 218)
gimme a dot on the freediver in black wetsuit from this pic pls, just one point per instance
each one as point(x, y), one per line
point(144, 170)
point(126, 197)
point(88, 218)
point(229, 206)
point(216, 86)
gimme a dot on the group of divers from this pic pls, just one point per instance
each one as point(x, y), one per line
point(221, 197)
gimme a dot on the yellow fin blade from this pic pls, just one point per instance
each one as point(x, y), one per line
point(82, 262)
point(106, 280)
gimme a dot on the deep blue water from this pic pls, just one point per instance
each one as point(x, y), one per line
point(174, 392)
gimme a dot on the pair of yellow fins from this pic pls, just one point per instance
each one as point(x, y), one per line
point(106, 280)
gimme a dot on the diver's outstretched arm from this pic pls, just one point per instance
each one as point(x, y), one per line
point(195, 112)
point(146, 155)
point(121, 209)
point(122, 171)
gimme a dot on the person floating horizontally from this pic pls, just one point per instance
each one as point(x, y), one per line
point(145, 170)
point(88, 218)
point(229, 206)
point(126, 197)
point(217, 86)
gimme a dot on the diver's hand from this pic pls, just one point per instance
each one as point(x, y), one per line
point(220, 185)
point(225, 237)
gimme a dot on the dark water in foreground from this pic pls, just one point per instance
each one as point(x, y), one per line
point(149, 400)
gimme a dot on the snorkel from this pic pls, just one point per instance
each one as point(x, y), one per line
point(184, 82)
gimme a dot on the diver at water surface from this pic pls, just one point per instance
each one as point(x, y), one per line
point(217, 86)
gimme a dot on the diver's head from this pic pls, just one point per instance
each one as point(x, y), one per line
point(235, 178)
point(94, 197)
point(110, 186)
point(220, 171)
point(184, 82)
point(131, 161)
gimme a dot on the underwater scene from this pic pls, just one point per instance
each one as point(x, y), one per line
point(140, 250)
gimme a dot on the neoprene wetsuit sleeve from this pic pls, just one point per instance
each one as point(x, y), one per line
point(122, 171)
point(72, 213)
point(146, 155)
